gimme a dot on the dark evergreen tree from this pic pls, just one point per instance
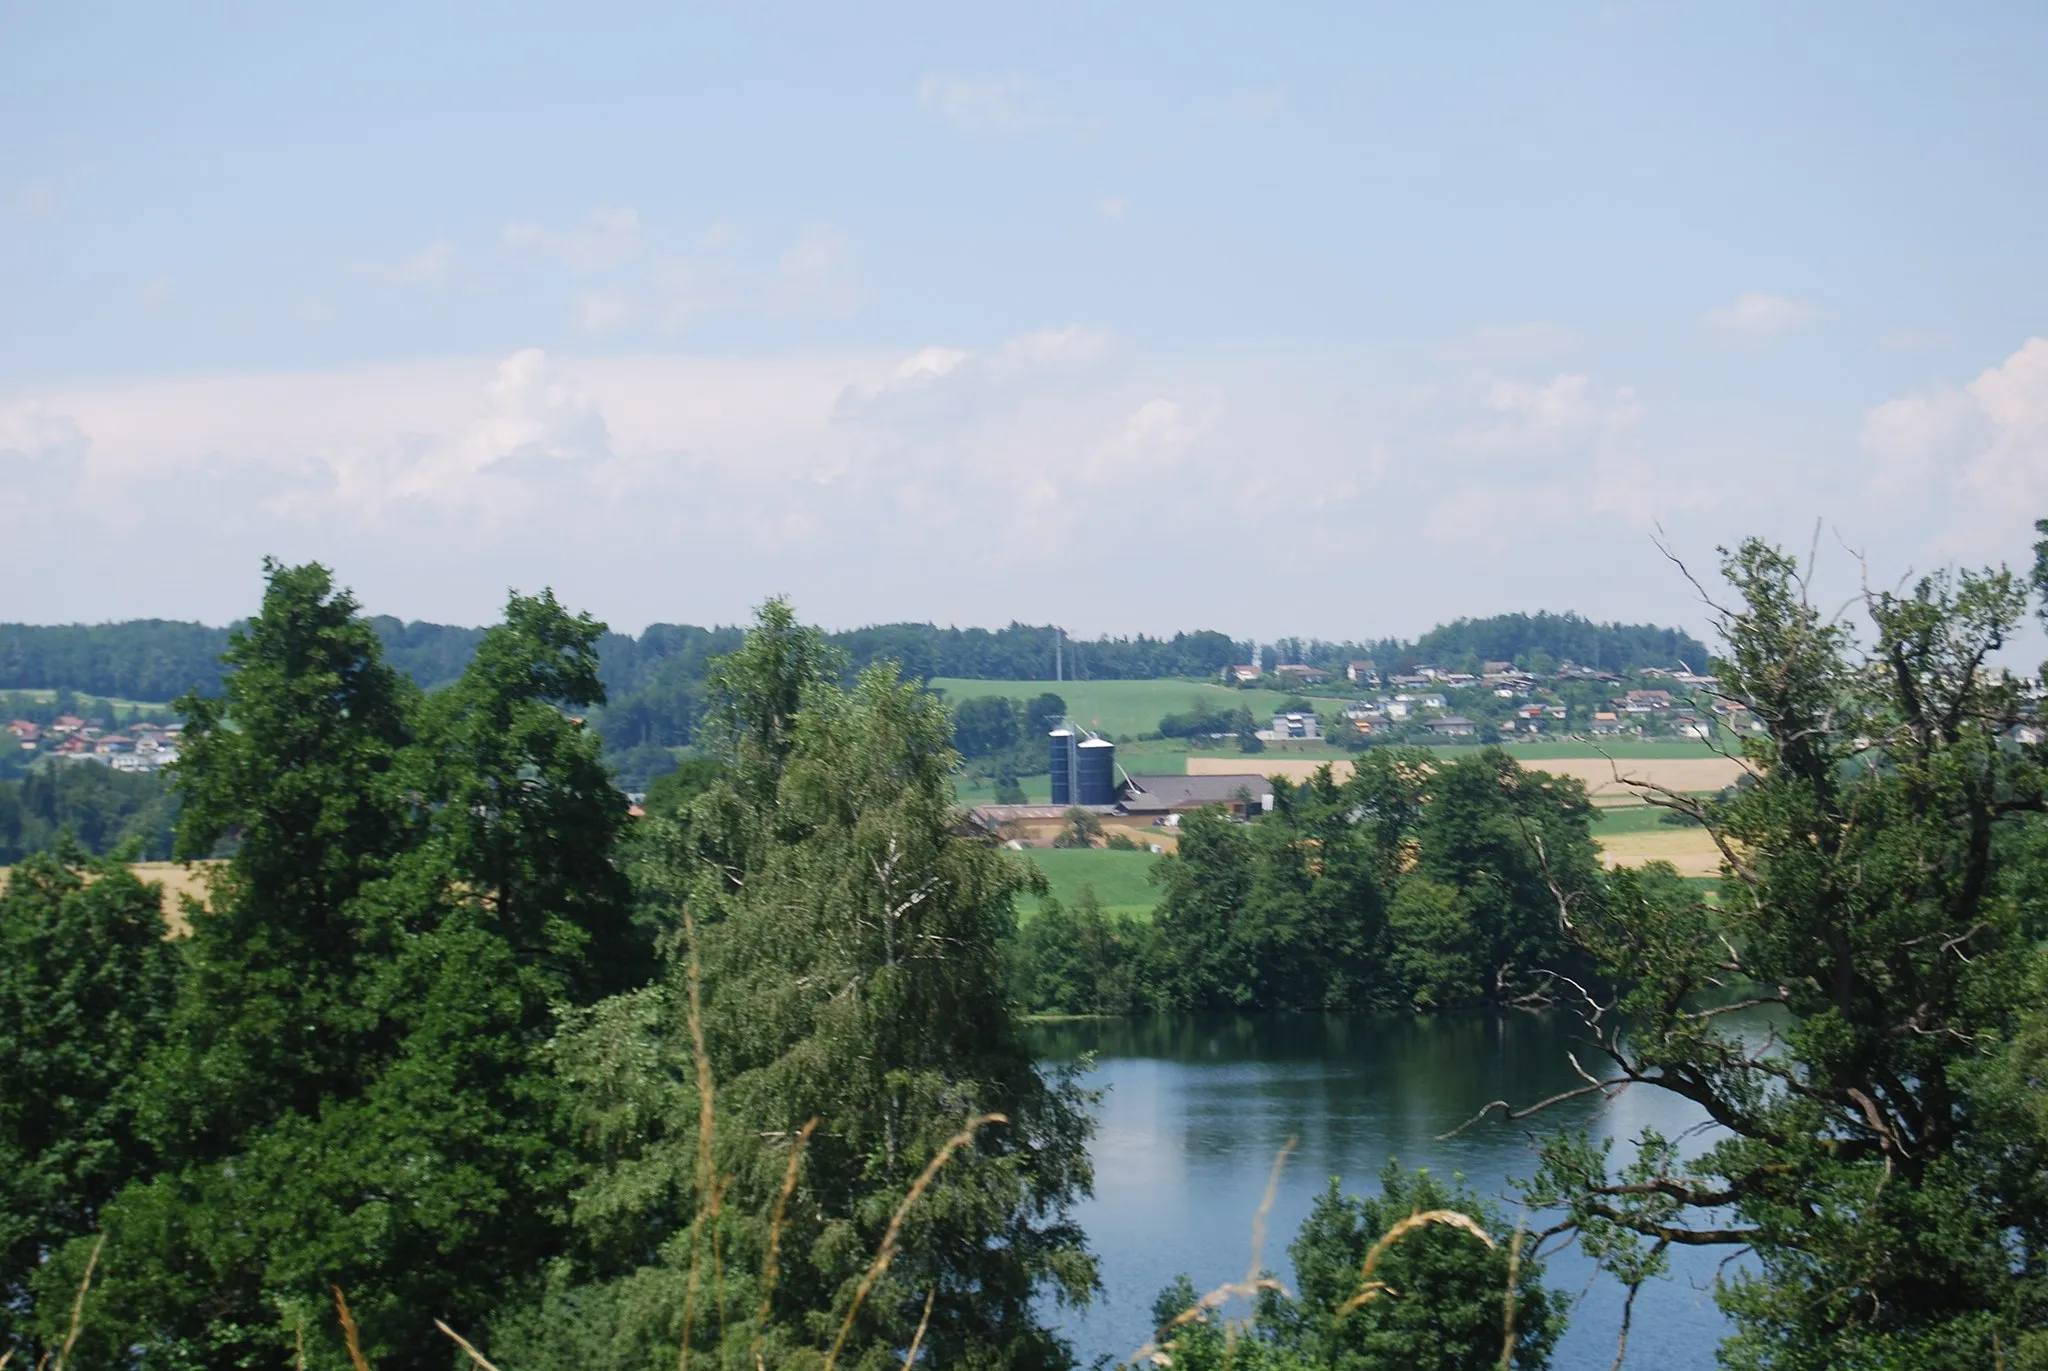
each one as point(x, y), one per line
point(350, 1094)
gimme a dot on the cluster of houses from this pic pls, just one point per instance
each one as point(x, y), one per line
point(139, 746)
point(1417, 699)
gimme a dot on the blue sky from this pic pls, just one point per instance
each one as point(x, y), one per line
point(1336, 320)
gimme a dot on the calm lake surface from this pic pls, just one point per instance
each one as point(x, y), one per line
point(1194, 1108)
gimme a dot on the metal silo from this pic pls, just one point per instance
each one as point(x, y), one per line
point(1062, 741)
point(1095, 772)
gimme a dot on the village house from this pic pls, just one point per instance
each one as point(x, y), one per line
point(1243, 674)
point(1291, 727)
point(1297, 672)
point(1452, 726)
point(1426, 700)
point(1606, 722)
point(1363, 674)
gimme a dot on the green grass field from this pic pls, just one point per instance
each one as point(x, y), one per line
point(1631, 819)
point(1127, 708)
point(1120, 879)
point(1037, 790)
point(112, 702)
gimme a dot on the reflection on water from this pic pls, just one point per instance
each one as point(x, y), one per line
point(1194, 1108)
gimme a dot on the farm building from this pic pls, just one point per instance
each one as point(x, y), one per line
point(1085, 776)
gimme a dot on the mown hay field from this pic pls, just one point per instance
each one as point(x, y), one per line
point(176, 878)
point(1691, 850)
point(1606, 779)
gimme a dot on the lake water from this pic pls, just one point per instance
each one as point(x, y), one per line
point(1195, 1107)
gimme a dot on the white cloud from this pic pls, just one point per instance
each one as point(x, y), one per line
point(425, 267)
point(1113, 208)
point(34, 434)
point(605, 240)
point(818, 275)
point(676, 486)
point(1561, 404)
point(1758, 316)
point(1973, 458)
point(1003, 106)
point(602, 311)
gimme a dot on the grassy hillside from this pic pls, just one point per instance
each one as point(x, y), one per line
point(1121, 708)
point(1120, 879)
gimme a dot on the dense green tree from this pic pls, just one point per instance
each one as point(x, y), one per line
point(985, 725)
point(525, 817)
point(1435, 1297)
point(1445, 1308)
point(297, 761)
point(1881, 1151)
point(673, 792)
point(86, 979)
point(852, 969)
point(1507, 841)
point(349, 1094)
point(1084, 961)
point(1042, 715)
point(1411, 883)
point(99, 808)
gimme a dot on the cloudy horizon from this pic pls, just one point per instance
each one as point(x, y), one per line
point(1338, 325)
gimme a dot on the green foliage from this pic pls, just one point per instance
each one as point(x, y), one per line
point(1441, 1302)
point(1083, 961)
point(143, 659)
point(1882, 1152)
point(1078, 828)
point(673, 793)
point(97, 807)
point(86, 981)
point(1527, 638)
point(1407, 885)
point(346, 1093)
point(853, 970)
point(1042, 715)
point(1206, 723)
point(986, 725)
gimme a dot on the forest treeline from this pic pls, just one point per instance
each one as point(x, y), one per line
point(746, 1082)
point(656, 681)
point(1412, 885)
point(101, 810)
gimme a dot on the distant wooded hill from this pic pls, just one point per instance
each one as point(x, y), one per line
point(656, 679)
